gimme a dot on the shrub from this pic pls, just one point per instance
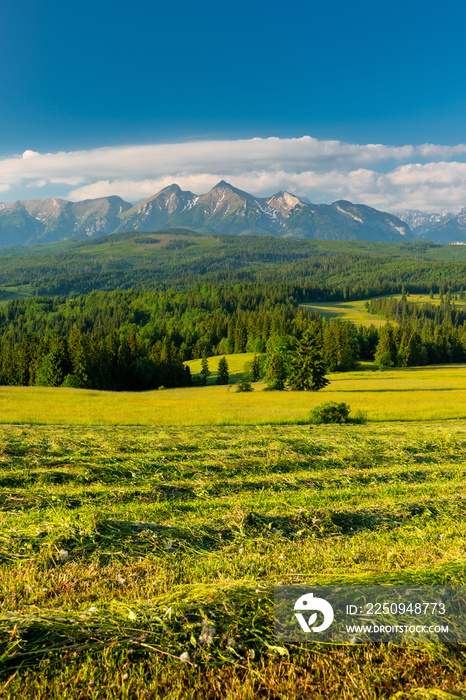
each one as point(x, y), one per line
point(198, 380)
point(73, 382)
point(330, 412)
point(244, 385)
point(275, 385)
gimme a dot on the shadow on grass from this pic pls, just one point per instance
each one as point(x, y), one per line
point(326, 522)
point(135, 539)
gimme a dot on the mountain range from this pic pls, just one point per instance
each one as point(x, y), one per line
point(440, 227)
point(224, 209)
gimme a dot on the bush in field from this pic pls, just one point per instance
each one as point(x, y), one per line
point(73, 382)
point(330, 412)
point(333, 412)
point(275, 385)
point(244, 385)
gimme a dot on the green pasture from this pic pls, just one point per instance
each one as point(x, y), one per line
point(235, 366)
point(7, 293)
point(411, 394)
point(355, 311)
point(123, 552)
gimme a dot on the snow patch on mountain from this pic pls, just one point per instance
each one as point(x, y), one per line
point(353, 216)
point(401, 230)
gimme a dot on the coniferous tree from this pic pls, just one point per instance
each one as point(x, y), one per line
point(276, 372)
point(255, 370)
point(386, 352)
point(51, 371)
point(205, 371)
point(240, 336)
point(413, 354)
point(223, 376)
point(307, 366)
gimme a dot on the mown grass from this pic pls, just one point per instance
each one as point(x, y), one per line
point(428, 393)
point(123, 548)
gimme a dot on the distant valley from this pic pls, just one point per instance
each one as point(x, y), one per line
point(223, 210)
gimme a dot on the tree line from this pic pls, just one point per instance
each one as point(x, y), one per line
point(423, 333)
point(91, 360)
point(134, 340)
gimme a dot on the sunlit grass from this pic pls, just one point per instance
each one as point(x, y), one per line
point(118, 546)
point(235, 365)
point(353, 311)
point(356, 312)
point(429, 393)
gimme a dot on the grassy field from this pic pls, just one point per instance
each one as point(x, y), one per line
point(353, 311)
point(141, 535)
point(356, 312)
point(385, 395)
point(7, 293)
point(122, 550)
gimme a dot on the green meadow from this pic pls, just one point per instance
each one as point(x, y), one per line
point(353, 311)
point(141, 534)
point(411, 394)
point(356, 312)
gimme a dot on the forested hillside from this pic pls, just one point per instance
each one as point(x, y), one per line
point(176, 258)
point(124, 312)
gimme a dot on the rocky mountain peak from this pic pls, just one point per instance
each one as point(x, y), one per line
point(284, 202)
point(225, 209)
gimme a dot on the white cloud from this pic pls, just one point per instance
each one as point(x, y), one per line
point(424, 176)
point(30, 154)
point(37, 183)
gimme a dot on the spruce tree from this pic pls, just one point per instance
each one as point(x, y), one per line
point(307, 366)
point(205, 371)
point(223, 376)
point(276, 372)
point(51, 371)
point(255, 370)
point(386, 351)
point(412, 352)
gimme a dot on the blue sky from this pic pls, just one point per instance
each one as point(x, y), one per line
point(79, 78)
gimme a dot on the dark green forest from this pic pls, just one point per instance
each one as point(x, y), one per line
point(313, 270)
point(124, 312)
point(423, 333)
